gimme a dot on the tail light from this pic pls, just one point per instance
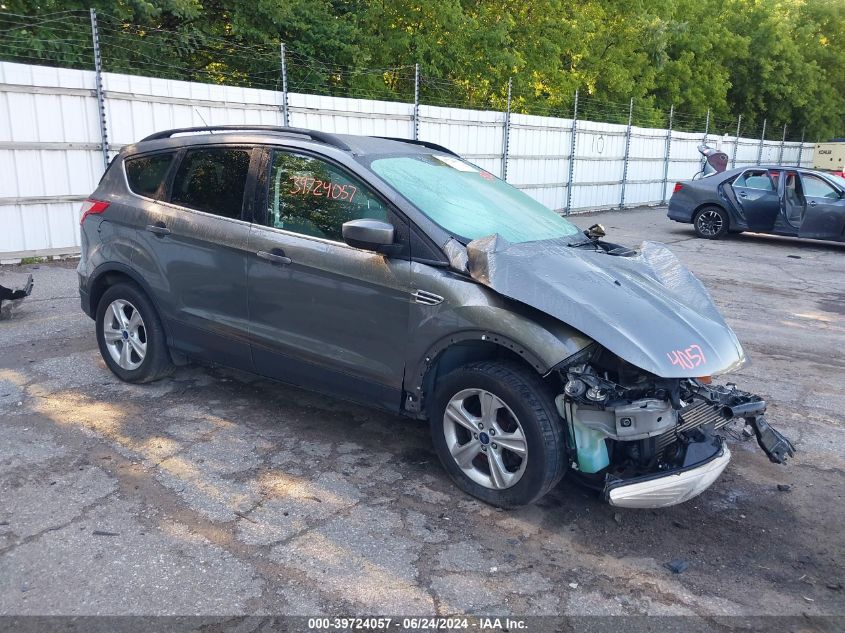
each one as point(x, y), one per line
point(678, 187)
point(92, 207)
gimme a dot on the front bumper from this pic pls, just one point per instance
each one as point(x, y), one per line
point(671, 488)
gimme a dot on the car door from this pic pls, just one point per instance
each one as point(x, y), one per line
point(197, 240)
point(757, 198)
point(824, 215)
point(325, 315)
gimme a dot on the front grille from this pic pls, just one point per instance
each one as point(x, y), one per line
point(690, 417)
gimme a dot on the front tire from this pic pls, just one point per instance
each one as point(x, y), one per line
point(711, 223)
point(497, 433)
point(130, 335)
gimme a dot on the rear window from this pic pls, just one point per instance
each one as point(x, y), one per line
point(146, 173)
point(212, 180)
point(755, 179)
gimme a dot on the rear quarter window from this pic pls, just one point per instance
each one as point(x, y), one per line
point(146, 173)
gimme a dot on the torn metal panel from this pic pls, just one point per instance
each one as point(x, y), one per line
point(645, 307)
point(457, 254)
point(12, 292)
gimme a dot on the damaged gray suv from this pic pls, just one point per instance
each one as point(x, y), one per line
point(393, 273)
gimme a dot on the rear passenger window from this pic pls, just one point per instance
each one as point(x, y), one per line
point(212, 180)
point(755, 179)
point(145, 174)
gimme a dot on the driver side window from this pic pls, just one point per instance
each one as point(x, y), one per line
point(313, 197)
point(815, 187)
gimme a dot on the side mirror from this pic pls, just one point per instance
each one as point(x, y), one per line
point(371, 235)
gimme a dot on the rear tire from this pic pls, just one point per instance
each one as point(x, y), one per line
point(479, 405)
point(711, 223)
point(130, 335)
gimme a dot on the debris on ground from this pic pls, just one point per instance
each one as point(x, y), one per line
point(784, 487)
point(677, 566)
point(14, 288)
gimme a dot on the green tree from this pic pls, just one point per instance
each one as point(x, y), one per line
point(773, 59)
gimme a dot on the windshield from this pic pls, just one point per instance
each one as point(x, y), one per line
point(839, 180)
point(470, 202)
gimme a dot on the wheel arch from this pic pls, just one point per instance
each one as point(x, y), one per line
point(107, 275)
point(718, 204)
point(459, 349)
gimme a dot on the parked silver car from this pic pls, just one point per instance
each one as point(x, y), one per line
point(395, 274)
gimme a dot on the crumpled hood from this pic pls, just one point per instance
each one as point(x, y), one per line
point(649, 309)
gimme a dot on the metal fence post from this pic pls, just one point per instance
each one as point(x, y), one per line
point(507, 139)
point(416, 102)
point(667, 153)
point(627, 153)
point(801, 148)
point(285, 114)
point(760, 147)
point(782, 142)
point(736, 141)
point(704, 138)
point(98, 80)
point(572, 132)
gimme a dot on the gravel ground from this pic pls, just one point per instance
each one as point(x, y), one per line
point(221, 494)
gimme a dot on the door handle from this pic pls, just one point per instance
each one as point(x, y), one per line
point(158, 228)
point(812, 203)
point(277, 256)
point(743, 195)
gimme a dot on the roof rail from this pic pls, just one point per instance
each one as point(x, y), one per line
point(323, 137)
point(427, 144)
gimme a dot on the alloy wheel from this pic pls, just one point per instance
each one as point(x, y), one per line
point(125, 334)
point(710, 223)
point(485, 438)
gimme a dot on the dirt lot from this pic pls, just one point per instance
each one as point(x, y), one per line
point(216, 493)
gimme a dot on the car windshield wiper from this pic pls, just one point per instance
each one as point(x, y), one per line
point(586, 242)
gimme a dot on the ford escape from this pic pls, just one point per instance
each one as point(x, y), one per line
point(393, 273)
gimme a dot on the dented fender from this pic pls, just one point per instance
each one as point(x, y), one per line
point(468, 311)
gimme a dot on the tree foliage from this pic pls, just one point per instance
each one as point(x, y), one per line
point(774, 59)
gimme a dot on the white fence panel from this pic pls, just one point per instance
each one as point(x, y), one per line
point(51, 159)
point(538, 160)
point(49, 155)
point(476, 135)
point(645, 166)
point(139, 106)
point(599, 163)
point(350, 116)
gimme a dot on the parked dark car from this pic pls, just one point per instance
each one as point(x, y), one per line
point(763, 199)
point(395, 274)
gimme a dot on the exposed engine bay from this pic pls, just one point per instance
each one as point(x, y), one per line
point(627, 426)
